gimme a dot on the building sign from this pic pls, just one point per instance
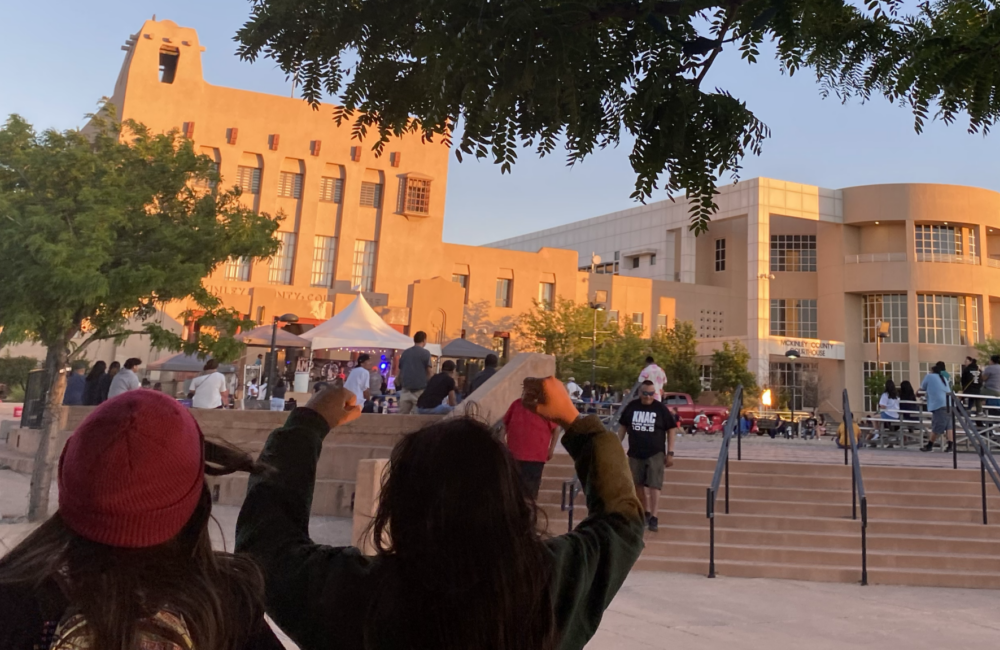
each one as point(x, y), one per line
point(807, 348)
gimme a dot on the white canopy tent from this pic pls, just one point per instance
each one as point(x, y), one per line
point(357, 327)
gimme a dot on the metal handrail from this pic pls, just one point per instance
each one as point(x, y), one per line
point(722, 466)
point(987, 463)
point(857, 487)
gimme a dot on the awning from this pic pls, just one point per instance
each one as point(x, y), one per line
point(262, 336)
point(181, 362)
point(357, 327)
point(465, 349)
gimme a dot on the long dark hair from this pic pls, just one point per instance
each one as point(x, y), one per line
point(96, 372)
point(119, 590)
point(465, 566)
point(906, 391)
point(890, 389)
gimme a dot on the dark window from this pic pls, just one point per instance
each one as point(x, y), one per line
point(168, 66)
point(720, 254)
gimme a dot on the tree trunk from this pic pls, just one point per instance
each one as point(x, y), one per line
point(56, 359)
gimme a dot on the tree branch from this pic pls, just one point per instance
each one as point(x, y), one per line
point(723, 30)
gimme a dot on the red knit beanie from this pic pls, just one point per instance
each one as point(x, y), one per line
point(132, 473)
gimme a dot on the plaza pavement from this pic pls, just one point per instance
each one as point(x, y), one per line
point(663, 610)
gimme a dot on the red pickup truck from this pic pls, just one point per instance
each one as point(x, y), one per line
point(684, 407)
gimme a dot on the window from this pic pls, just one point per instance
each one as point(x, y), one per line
point(503, 292)
point(635, 262)
point(613, 316)
point(238, 269)
point(946, 320)
point(924, 368)
point(547, 295)
point(796, 384)
point(363, 274)
point(652, 259)
point(601, 297)
point(281, 264)
point(793, 317)
point(331, 190)
point(607, 268)
point(290, 185)
point(938, 239)
point(637, 318)
point(720, 255)
point(889, 307)
point(248, 178)
point(616, 255)
point(705, 374)
point(371, 195)
point(462, 280)
point(324, 251)
point(416, 196)
point(661, 321)
point(168, 65)
point(501, 345)
point(897, 371)
point(793, 252)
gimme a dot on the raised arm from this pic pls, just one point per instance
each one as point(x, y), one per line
point(591, 563)
point(273, 525)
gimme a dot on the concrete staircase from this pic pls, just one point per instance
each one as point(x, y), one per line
point(793, 521)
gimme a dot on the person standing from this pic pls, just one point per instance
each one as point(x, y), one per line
point(936, 388)
point(92, 391)
point(971, 385)
point(278, 395)
point(655, 374)
point(990, 379)
point(440, 387)
point(210, 389)
point(359, 381)
point(648, 425)
point(531, 440)
point(126, 379)
point(414, 371)
point(490, 369)
point(375, 381)
point(76, 385)
point(105, 385)
point(573, 389)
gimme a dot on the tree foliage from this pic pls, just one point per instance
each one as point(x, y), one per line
point(14, 370)
point(676, 351)
point(987, 348)
point(563, 330)
point(621, 355)
point(730, 368)
point(98, 231)
point(538, 72)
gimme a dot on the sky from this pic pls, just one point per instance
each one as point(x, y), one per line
point(60, 57)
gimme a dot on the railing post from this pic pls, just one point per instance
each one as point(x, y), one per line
point(711, 533)
point(982, 480)
point(864, 543)
point(739, 444)
point(854, 496)
point(727, 484)
point(846, 447)
point(954, 433)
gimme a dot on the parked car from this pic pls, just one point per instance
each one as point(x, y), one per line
point(686, 410)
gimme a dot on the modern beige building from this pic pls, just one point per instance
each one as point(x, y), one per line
point(789, 266)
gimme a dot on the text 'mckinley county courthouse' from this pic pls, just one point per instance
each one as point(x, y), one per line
point(788, 266)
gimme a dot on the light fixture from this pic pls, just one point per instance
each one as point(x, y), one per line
point(876, 223)
point(946, 223)
point(765, 397)
point(792, 354)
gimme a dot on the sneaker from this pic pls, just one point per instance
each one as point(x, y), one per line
point(949, 448)
point(647, 517)
point(928, 447)
point(654, 524)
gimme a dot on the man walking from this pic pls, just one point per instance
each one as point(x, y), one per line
point(655, 374)
point(359, 381)
point(126, 379)
point(440, 387)
point(414, 371)
point(936, 388)
point(648, 424)
point(531, 440)
point(489, 370)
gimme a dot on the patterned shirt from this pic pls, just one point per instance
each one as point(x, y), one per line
point(655, 374)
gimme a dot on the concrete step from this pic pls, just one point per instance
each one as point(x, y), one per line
point(946, 530)
point(950, 557)
point(970, 515)
point(742, 569)
point(752, 554)
point(737, 505)
point(934, 500)
point(768, 538)
point(935, 578)
point(17, 461)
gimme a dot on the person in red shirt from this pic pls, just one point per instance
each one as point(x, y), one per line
point(531, 440)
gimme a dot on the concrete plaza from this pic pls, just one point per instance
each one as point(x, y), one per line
point(665, 610)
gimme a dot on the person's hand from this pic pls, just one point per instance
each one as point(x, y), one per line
point(549, 399)
point(338, 406)
point(552, 452)
point(668, 459)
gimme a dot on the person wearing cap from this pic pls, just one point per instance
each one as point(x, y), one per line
point(210, 389)
point(573, 388)
point(126, 561)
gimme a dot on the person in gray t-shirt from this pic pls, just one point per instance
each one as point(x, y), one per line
point(414, 371)
point(990, 378)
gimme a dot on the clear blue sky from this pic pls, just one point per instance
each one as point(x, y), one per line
point(60, 57)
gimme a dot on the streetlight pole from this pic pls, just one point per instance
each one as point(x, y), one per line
point(593, 345)
point(793, 355)
point(273, 367)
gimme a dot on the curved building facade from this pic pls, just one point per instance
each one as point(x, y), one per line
point(790, 266)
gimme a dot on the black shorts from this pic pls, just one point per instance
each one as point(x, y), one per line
point(531, 476)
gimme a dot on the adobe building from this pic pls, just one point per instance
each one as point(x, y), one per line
point(353, 221)
point(788, 266)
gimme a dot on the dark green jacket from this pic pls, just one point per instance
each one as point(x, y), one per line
point(319, 595)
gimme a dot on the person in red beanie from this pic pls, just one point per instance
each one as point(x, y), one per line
point(126, 562)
